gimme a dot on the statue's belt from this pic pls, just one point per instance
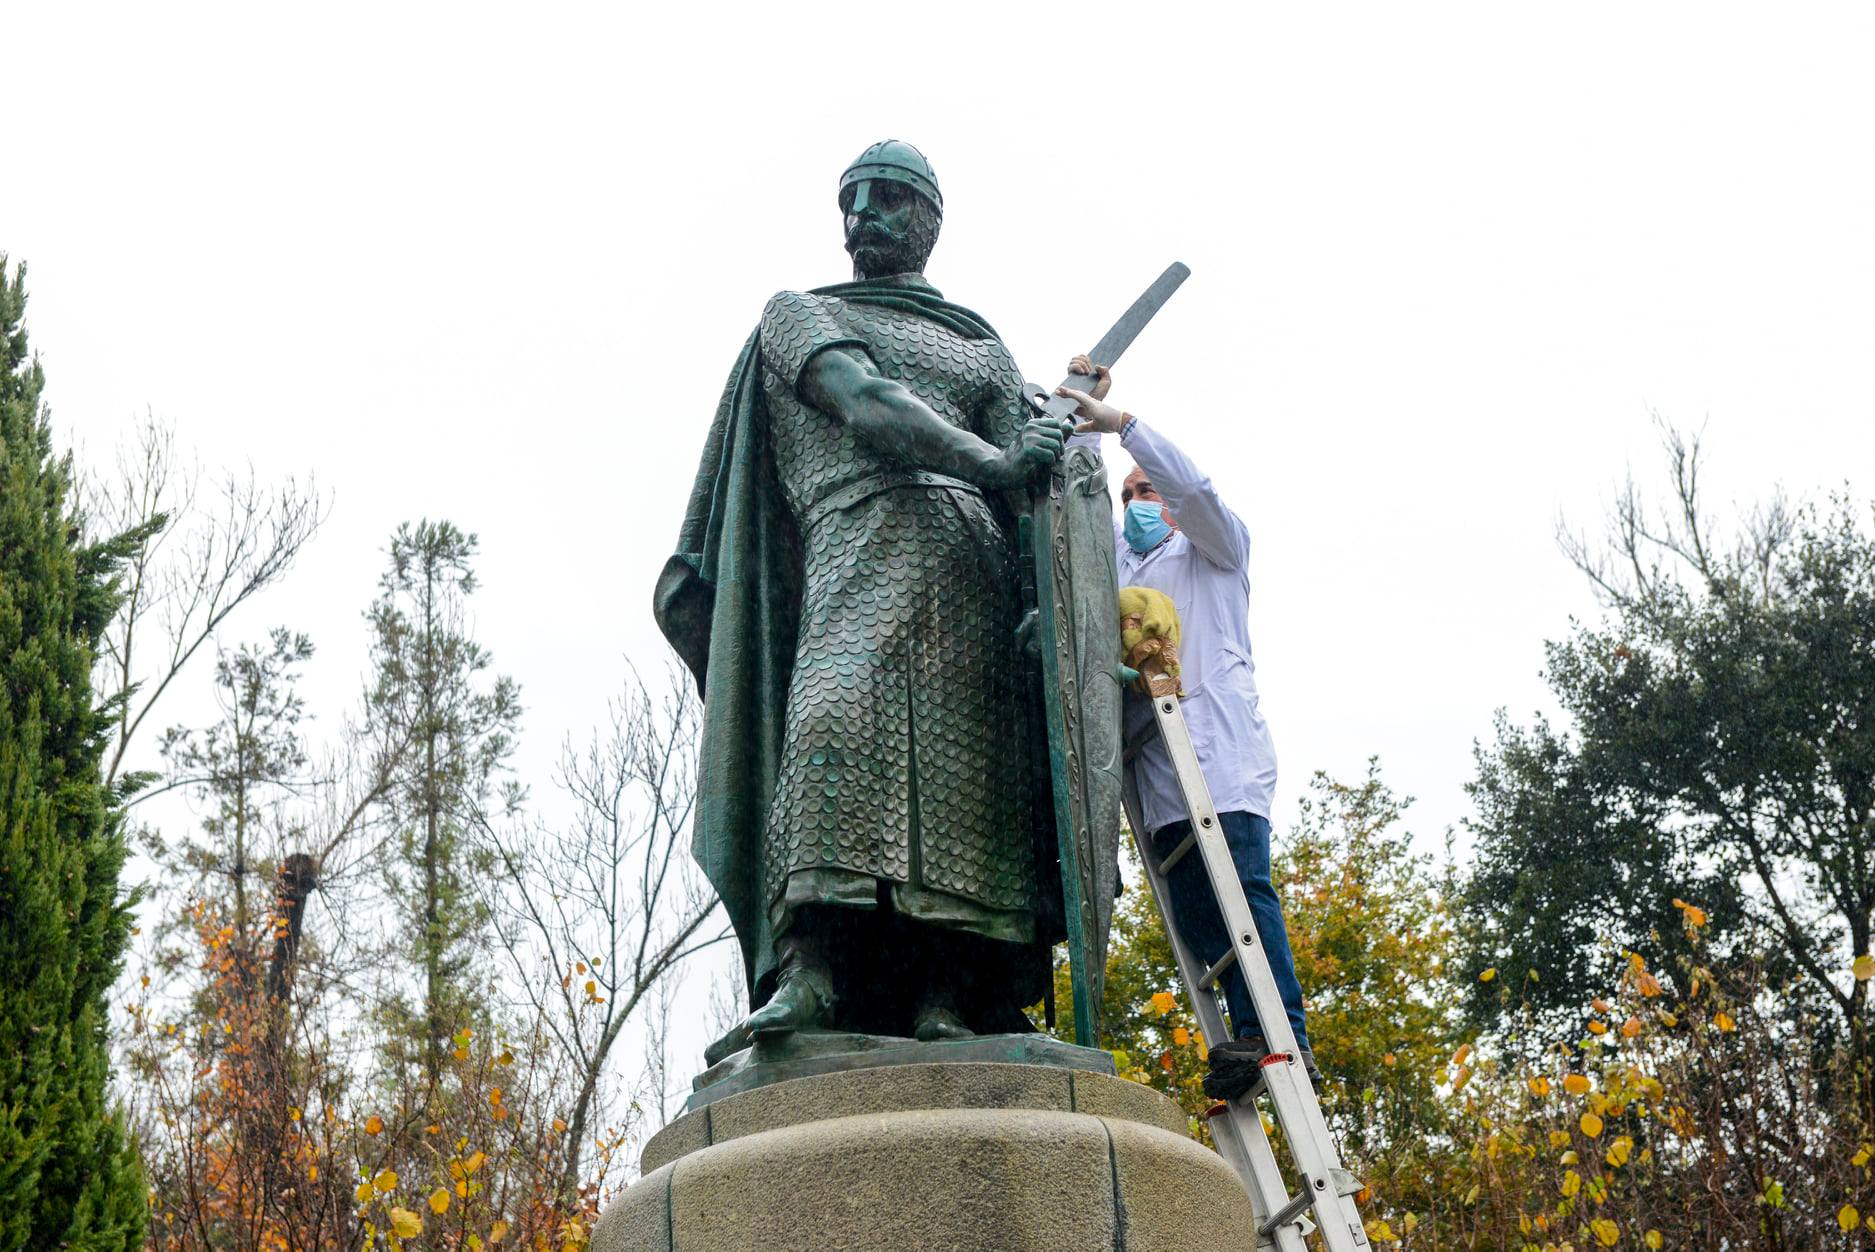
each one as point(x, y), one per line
point(871, 485)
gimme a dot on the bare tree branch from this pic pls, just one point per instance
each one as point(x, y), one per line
point(201, 561)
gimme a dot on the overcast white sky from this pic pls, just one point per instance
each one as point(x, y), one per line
point(492, 264)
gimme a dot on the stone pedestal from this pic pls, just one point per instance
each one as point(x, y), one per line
point(967, 1155)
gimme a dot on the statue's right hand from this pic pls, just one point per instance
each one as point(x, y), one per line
point(1038, 448)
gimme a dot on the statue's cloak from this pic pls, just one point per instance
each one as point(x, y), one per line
point(728, 601)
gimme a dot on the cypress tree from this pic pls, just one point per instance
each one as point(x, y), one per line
point(69, 1175)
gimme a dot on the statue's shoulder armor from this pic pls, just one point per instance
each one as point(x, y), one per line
point(797, 325)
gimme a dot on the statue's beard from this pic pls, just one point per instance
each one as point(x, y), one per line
point(877, 252)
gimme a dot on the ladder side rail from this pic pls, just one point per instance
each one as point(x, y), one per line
point(1297, 1107)
point(1337, 1217)
point(1239, 1134)
point(1226, 888)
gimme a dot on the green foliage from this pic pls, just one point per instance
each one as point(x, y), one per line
point(1371, 936)
point(68, 1174)
point(1720, 749)
point(452, 726)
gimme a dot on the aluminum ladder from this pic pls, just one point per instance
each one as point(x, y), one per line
point(1326, 1189)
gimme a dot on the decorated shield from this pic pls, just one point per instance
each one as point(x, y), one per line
point(1079, 637)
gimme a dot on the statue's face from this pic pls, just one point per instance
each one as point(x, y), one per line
point(890, 229)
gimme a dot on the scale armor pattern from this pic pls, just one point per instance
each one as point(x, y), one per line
point(905, 758)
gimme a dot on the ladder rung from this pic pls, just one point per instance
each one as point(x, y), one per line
point(1177, 854)
point(1287, 1213)
point(1224, 962)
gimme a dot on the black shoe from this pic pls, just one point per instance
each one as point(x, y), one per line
point(1235, 1067)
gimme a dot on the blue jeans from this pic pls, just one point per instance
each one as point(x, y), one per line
point(1201, 924)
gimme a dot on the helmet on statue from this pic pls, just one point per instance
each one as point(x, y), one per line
point(895, 161)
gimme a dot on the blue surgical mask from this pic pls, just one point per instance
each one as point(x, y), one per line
point(1145, 526)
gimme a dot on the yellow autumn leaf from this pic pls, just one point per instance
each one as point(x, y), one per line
point(1596, 1028)
point(1653, 1239)
point(1539, 1086)
point(1619, 1151)
point(1569, 1158)
point(1571, 1183)
point(1558, 1138)
point(386, 1181)
point(1488, 974)
point(364, 1193)
point(1723, 1021)
point(1631, 1028)
point(1389, 1059)
point(1463, 1077)
point(1181, 1036)
point(506, 1058)
point(1669, 1019)
point(1591, 1125)
point(1380, 1232)
point(1647, 984)
point(474, 1162)
point(1462, 1055)
point(1848, 1218)
point(498, 1231)
point(494, 1096)
point(1599, 1005)
point(559, 1126)
point(1575, 1084)
point(1863, 967)
point(374, 1124)
point(407, 1224)
point(1862, 1155)
point(439, 1201)
point(1606, 1232)
point(1162, 1002)
point(1409, 1223)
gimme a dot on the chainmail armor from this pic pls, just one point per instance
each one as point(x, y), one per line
point(905, 760)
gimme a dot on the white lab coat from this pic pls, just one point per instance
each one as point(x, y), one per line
point(1204, 567)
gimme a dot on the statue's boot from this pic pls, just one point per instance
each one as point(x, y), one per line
point(803, 998)
point(796, 1004)
point(938, 1019)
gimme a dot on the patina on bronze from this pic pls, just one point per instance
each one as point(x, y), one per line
point(1067, 534)
point(847, 592)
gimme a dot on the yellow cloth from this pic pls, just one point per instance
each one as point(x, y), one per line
point(1149, 629)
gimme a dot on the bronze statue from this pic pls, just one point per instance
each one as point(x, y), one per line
point(886, 795)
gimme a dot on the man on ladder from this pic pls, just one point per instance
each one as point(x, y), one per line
point(1179, 538)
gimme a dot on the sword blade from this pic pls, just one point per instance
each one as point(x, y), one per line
point(1127, 329)
point(1117, 340)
